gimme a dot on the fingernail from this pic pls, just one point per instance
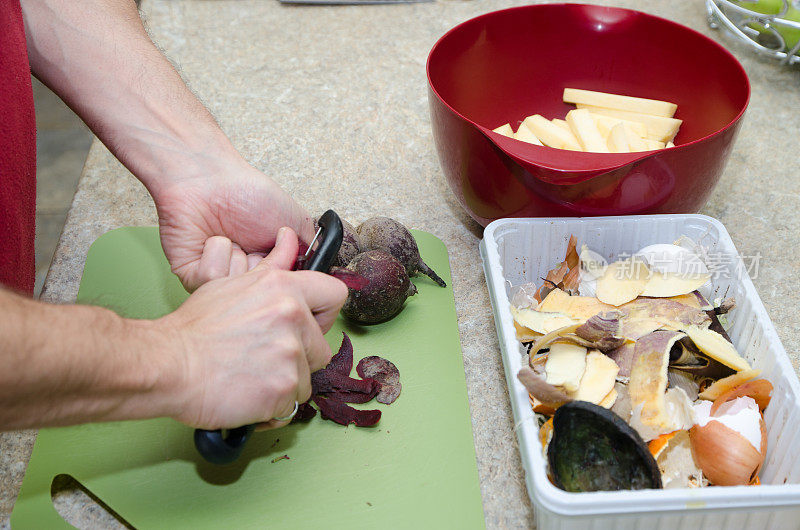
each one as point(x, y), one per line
point(281, 235)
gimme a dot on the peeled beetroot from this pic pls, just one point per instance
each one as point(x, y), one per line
point(386, 291)
point(386, 233)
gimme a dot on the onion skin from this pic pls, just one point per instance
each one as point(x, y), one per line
point(726, 457)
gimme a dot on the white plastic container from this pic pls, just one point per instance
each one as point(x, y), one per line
point(516, 251)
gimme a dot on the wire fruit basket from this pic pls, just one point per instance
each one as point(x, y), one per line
point(770, 27)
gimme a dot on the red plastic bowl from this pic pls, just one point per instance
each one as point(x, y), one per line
point(503, 66)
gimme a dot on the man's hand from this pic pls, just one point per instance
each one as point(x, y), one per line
point(238, 351)
point(214, 208)
point(222, 223)
point(250, 342)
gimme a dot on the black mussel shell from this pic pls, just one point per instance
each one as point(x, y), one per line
point(593, 449)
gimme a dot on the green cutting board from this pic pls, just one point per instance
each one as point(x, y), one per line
point(416, 468)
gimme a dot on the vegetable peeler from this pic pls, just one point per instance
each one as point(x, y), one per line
point(219, 448)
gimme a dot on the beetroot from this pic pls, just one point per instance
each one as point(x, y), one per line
point(351, 245)
point(383, 297)
point(386, 233)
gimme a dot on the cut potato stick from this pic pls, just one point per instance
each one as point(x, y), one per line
point(636, 142)
point(605, 123)
point(584, 129)
point(524, 134)
point(658, 127)
point(653, 145)
point(622, 139)
point(654, 107)
point(505, 130)
point(562, 123)
point(550, 134)
point(618, 139)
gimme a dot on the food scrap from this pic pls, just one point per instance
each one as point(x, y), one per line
point(332, 388)
point(282, 457)
point(635, 381)
point(385, 373)
point(344, 414)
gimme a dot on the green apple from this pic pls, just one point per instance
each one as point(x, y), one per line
point(773, 7)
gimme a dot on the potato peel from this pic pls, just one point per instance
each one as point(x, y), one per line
point(715, 346)
point(648, 382)
point(622, 281)
point(565, 365)
point(672, 315)
point(603, 330)
point(624, 357)
point(665, 285)
point(598, 378)
point(539, 321)
point(546, 339)
point(609, 400)
point(577, 307)
point(525, 334)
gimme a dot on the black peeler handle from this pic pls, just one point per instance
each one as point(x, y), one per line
point(212, 445)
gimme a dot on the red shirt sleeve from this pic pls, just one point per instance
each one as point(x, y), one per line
point(17, 153)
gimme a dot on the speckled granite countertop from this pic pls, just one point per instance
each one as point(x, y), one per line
point(331, 101)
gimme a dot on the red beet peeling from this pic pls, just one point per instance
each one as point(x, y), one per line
point(345, 414)
point(332, 387)
point(353, 397)
point(327, 381)
point(304, 412)
point(334, 381)
point(385, 373)
point(342, 362)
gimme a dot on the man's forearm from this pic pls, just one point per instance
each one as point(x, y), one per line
point(62, 365)
point(96, 55)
